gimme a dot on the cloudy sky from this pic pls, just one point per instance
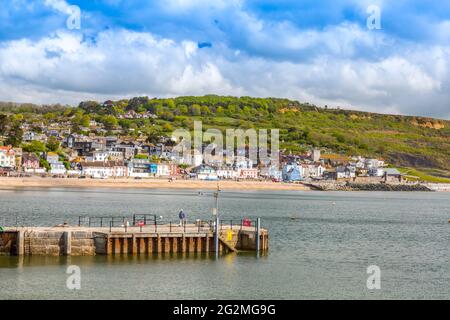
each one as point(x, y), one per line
point(313, 51)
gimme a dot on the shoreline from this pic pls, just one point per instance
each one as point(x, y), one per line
point(38, 182)
point(155, 183)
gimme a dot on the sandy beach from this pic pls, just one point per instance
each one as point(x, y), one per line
point(38, 182)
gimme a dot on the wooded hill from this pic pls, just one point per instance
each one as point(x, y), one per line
point(404, 141)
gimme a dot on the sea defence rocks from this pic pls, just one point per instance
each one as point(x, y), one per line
point(351, 186)
point(386, 187)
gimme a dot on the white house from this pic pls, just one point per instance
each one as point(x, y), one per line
point(372, 163)
point(29, 136)
point(163, 169)
point(57, 167)
point(114, 155)
point(248, 173)
point(104, 169)
point(52, 157)
point(98, 155)
point(376, 172)
point(139, 168)
point(227, 173)
point(205, 172)
point(7, 157)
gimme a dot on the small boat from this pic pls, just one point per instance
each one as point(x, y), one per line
point(294, 217)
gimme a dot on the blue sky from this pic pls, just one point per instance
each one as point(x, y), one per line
point(316, 51)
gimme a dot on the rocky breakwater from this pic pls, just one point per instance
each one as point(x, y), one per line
point(386, 187)
point(351, 186)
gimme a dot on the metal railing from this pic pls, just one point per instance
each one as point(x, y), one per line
point(234, 224)
point(99, 221)
point(150, 220)
point(145, 219)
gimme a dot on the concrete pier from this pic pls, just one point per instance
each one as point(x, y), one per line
point(148, 239)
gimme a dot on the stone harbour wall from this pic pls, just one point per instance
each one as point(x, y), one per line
point(55, 243)
point(86, 242)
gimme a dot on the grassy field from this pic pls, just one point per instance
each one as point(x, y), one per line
point(414, 174)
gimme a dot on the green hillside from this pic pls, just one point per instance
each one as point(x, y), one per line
point(404, 141)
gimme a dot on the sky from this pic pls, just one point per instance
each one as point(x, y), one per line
point(339, 53)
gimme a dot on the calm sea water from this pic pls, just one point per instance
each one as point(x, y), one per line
point(323, 254)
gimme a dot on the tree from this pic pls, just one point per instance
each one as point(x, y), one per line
point(110, 122)
point(50, 116)
point(167, 127)
point(90, 106)
point(167, 115)
point(183, 109)
point(85, 121)
point(171, 104)
point(15, 136)
point(3, 122)
point(44, 163)
point(205, 110)
point(153, 136)
point(34, 146)
point(53, 144)
point(219, 110)
point(195, 110)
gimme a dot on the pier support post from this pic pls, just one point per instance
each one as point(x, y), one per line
point(20, 243)
point(158, 246)
point(216, 237)
point(125, 245)
point(108, 245)
point(258, 233)
point(133, 244)
point(67, 243)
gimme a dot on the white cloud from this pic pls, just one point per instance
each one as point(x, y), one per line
point(181, 5)
point(64, 68)
point(58, 5)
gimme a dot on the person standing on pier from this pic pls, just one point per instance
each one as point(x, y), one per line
point(182, 217)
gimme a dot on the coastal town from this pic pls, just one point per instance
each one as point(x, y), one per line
point(53, 150)
point(133, 139)
point(109, 157)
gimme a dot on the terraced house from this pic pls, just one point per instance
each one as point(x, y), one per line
point(7, 158)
